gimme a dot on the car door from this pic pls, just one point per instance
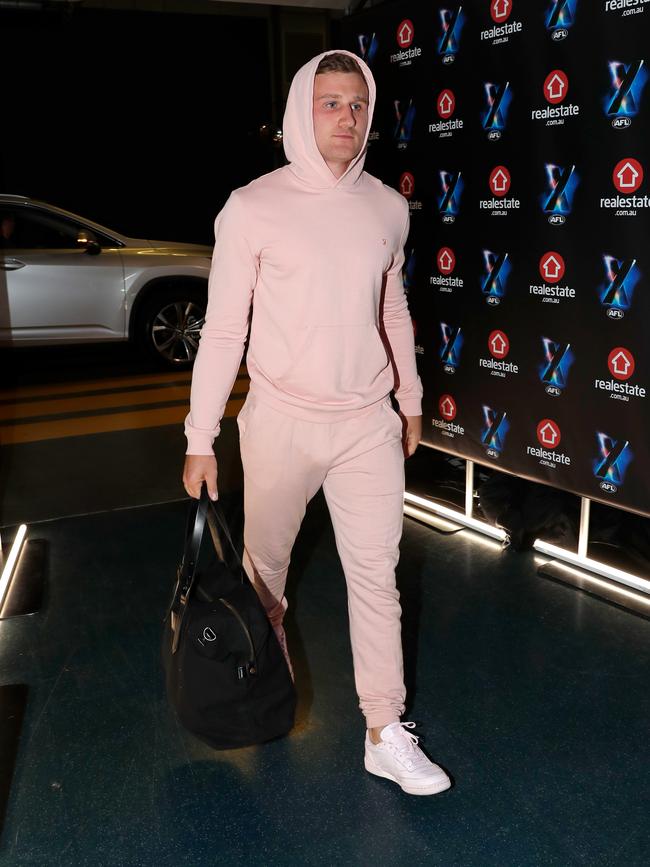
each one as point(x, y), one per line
point(51, 288)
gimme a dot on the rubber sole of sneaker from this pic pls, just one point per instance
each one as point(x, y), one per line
point(431, 789)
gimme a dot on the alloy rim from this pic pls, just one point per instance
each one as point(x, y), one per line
point(176, 330)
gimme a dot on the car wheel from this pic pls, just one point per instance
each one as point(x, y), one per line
point(170, 325)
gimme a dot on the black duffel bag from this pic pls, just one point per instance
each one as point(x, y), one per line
point(226, 675)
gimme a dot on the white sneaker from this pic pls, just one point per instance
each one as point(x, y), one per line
point(399, 758)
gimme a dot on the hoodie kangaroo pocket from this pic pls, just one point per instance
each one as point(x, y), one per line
point(336, 362)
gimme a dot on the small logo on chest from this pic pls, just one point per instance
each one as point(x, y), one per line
point(383, 241)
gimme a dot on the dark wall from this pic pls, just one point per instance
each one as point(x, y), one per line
point(141, 121)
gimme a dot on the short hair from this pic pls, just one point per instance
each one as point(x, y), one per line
point(338, 62)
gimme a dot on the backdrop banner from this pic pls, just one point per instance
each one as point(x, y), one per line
point(519, 132)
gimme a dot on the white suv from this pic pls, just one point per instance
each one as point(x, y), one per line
point(65, 279)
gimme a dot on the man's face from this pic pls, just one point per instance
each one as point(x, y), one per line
point(340, 117)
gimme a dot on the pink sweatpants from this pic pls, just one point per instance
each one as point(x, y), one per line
point(359, 462)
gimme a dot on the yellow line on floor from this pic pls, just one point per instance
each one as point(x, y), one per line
point(92, 385)
point(146, 418)
point(101, 384)
point(97, 401)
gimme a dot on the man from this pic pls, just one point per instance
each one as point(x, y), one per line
point(317, 248)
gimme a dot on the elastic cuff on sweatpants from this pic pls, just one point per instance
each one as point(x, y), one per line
point(381, 718)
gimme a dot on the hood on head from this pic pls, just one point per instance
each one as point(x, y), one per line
point(298, 128)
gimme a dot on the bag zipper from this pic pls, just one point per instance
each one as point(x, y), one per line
point(251, 667)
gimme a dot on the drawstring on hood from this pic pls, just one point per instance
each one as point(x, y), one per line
point(299, 140)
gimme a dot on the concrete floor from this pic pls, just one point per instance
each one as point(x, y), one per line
point(531, 694)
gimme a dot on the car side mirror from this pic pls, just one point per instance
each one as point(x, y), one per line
point(89, 242)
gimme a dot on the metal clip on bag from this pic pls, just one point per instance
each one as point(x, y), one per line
point(226, 676)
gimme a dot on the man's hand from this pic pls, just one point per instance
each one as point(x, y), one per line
point(413, 433)
point(199, 468)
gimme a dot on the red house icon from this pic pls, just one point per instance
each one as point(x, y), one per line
point(447, 408)
point(406, 185)
point(552, 268)
point(500, 181)
point(549, 434)
point(627, 176)
point(405, 33)
point(445, 261)
point(501, 9)
point(498, 345)
point(556, 87)
point(445, 103)
point(621, 363)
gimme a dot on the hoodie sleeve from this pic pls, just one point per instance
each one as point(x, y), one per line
point(232, 279)
point(399, 330)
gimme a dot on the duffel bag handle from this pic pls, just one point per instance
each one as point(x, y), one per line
point(195, 527)
point(216, 512)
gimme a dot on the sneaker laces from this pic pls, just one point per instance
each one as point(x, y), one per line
point(404, 746)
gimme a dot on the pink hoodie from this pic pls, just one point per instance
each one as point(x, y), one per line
point(319, 258)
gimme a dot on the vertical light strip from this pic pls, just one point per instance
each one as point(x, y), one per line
point(9, 566)
point(583, 536)
point(469, 488)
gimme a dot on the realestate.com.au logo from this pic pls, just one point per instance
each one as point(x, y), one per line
point(446, 263)
point(407, 52)
point(447, 410)
point(626, 7)
point(503, 28)
point(627, 178)
point(406, 186)
point(546, 451)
